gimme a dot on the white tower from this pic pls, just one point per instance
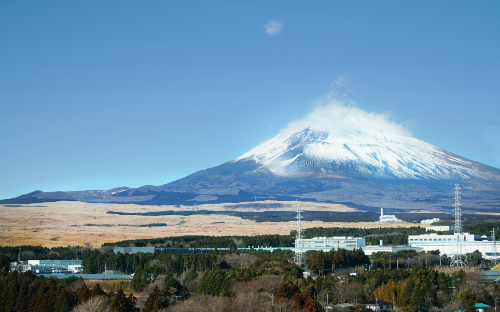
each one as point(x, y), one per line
point(459, 259)
point(299, 255)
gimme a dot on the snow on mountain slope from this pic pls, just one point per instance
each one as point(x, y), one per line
point(368, 154)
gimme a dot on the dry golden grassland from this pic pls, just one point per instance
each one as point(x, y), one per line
point(66, 223)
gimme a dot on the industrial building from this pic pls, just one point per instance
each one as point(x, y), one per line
point(350, 243)
point(447, 244)
point(47, 266)
point(387, 218)
point(329, 243)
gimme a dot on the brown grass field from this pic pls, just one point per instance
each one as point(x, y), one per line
point(66, 223)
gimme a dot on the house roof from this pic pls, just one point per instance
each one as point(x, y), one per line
point(478, 306)
point(375, 301)
point(482, 305)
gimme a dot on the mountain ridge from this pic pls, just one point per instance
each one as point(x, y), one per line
point(374, 169)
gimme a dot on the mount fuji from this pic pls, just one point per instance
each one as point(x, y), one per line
point(337, 154)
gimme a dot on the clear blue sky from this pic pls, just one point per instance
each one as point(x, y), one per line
point(101, 94)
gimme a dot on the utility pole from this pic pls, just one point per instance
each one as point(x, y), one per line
point(397, 264)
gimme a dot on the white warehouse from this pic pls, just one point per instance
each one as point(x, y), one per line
point(342, 242)
point(329, 243)
point(447, 244)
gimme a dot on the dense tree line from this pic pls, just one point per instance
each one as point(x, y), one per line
point(40, 253)
point(395, 236)
point(341, 258)
point(128, 263)
point(210, 241)
point(28, 292)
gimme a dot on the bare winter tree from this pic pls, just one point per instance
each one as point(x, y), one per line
point(201, 303)
point(355, 292)
point(284, 306)
point(341, 291)
point(252, 302)
point(94, 304)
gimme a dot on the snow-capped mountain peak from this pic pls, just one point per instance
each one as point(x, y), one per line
point(358, 154)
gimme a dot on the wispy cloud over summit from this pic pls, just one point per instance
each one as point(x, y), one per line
point(341, 116)
point(273, 27)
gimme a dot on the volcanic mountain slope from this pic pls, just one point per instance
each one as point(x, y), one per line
point(374, 169)
point(379, 154)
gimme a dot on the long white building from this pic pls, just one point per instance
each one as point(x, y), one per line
point(329, 243)
point(342, 242)
point(447, 244)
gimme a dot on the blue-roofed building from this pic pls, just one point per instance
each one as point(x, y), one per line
point(480, 307)
point(91, 276)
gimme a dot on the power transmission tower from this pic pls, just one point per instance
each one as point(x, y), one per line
point(459, 259)
point(494, 247)
point(299, 254)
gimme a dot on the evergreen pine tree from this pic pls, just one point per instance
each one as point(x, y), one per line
point(149, 304)
point(22, 298)
point(33, 290)
point(12, 294)
point(191, 276)
point(163, 300)
point(131, 302)
point(467, 300)
point(83, 293)
point(39, 302)
point(65, 300)
point(170, 281)
point(97, 291)
point(120, 302)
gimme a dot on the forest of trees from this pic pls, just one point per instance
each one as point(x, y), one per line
point(28, 292)
point(247, 279)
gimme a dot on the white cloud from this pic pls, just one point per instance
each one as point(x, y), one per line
point(341, 116)
point(341, 81)
point(273, 27)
